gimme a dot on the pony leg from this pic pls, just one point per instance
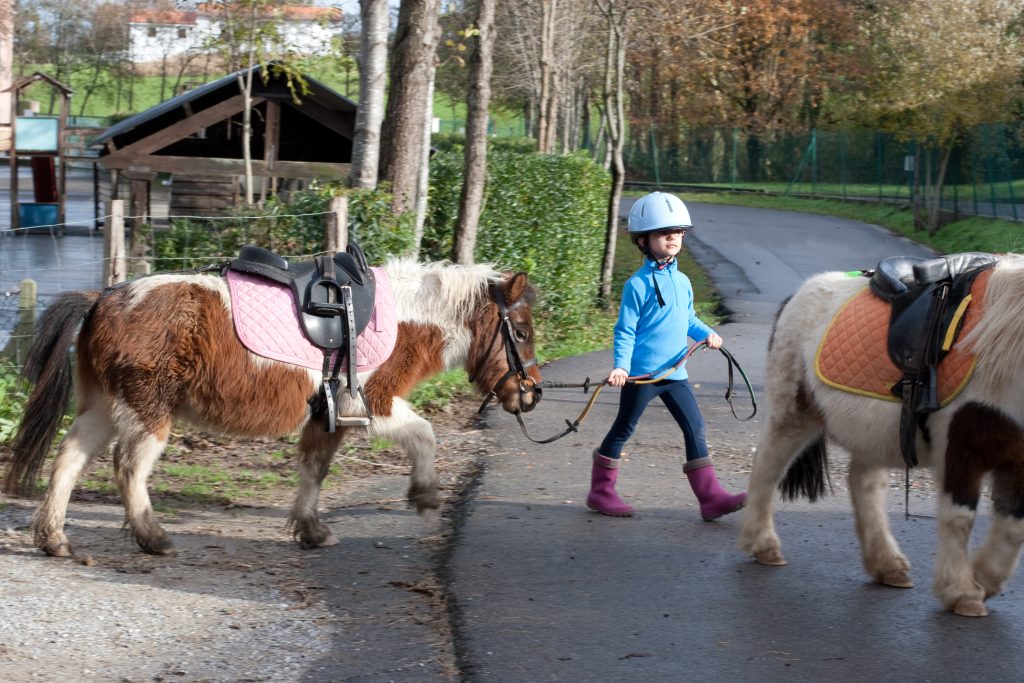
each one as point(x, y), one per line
point(416, 437)
point(998, 557)
point(316, 448)
point(881, 554)
point(89, 435)
point(786, 436)
point(134, 458)
point(954, 583)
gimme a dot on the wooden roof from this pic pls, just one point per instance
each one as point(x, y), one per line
point(200, 132)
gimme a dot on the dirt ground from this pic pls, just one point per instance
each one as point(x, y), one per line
point(240, 601)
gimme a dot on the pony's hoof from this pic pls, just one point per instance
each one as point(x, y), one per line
point(158, 546)
point(897, 579)
point(970, 607)
point(772, 558)
point(57, 549)
point(430, 516)
point(329, 541)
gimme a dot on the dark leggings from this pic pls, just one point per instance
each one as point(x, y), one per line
point(677, 395)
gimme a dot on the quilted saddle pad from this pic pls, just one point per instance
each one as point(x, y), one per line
point(267, 323)
point(853, 355)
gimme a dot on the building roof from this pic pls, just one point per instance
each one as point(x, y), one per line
point(209, 91)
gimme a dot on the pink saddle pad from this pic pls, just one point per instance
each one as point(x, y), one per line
point(267, 323)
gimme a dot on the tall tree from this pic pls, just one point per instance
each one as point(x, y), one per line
point(6, 68)
point(939, 70)
point(616, 14)
point(412, 62)
point(478, 99)
point(762, 65)
point(373, 53)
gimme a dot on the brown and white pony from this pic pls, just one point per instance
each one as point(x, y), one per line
point(163, 348)
point(980, 430)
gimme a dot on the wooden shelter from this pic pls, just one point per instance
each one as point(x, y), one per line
point(197, 138)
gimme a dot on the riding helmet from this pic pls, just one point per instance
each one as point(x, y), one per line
point(656, 211)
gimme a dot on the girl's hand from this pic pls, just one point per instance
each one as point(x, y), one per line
point(617, 377)
point(714, 341)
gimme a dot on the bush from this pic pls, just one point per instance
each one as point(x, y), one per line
point(290, 229)
point(543, 213)
point(446, 142)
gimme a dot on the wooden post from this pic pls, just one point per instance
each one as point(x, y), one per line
point(337, 225)
point(21, 336)
point(113, 245)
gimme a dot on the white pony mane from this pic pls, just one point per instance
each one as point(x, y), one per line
point(442, 294)
point(997, 337)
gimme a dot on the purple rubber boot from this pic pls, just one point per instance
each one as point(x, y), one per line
point(602, 497)
point(714, 500)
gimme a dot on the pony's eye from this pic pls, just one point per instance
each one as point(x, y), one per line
point(520, 335)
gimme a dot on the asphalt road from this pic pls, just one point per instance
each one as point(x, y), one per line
point(545, 590)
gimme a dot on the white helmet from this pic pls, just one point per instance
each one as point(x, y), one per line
point(658, 210)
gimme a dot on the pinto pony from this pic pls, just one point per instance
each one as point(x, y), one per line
point(979, 430)
point(163, 347)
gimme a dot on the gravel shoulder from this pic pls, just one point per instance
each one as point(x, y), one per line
point(240, 601)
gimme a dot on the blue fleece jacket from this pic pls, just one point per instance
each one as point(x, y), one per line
point(652, 338)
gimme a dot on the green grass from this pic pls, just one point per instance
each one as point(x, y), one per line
point(968, 234)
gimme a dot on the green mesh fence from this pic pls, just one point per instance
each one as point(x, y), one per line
point(985, 174)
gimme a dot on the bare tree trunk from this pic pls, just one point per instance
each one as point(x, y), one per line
point(402, 134)
point(423, 184)
point(478, 99)
point(614, 96)
point(6, 60)
point(935, 192)
point(373, 54)
point(545, 140)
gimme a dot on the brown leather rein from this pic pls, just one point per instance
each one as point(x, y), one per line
point(648, 378)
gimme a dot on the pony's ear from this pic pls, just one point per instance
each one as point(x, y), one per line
point(515, 286)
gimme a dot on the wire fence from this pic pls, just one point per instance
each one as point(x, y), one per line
point(984, 177)
point(39, 263)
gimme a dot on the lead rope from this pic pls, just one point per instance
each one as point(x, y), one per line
point(641, 379)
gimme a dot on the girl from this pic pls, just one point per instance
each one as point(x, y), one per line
point(655, 317)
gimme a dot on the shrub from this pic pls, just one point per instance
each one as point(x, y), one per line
point(290, 229)
point(543, 214)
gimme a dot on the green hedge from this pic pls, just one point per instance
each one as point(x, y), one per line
point(544, 214)
point(446, 142)
point(282, 228)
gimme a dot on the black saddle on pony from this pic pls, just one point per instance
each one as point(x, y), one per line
point(926, 297)
point(335, 296)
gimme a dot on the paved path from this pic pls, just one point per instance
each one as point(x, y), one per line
point(546, 591)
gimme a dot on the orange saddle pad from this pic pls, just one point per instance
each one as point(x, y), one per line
point(853, 355)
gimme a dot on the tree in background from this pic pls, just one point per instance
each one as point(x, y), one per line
point(616, 14)
point(550, 54)
point(373, 55)
point(939, 70)
point(763, 66)
point(478, 98)
point(413, 61)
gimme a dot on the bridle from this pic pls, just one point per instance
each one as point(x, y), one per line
point(516, 365)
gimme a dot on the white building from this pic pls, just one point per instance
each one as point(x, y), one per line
point(156, 35)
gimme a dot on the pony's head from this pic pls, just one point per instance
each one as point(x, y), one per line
point(501, 360)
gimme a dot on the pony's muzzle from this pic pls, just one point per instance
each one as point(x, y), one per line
point(530, 394)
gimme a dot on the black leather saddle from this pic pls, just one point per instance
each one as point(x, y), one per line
point(926, 297)
point(335, 295)
point(318, 285)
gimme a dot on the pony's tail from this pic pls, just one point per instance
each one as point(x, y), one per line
point(48, 367)
point(808, 475)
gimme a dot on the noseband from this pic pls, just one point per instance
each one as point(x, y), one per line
point(516, 366)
